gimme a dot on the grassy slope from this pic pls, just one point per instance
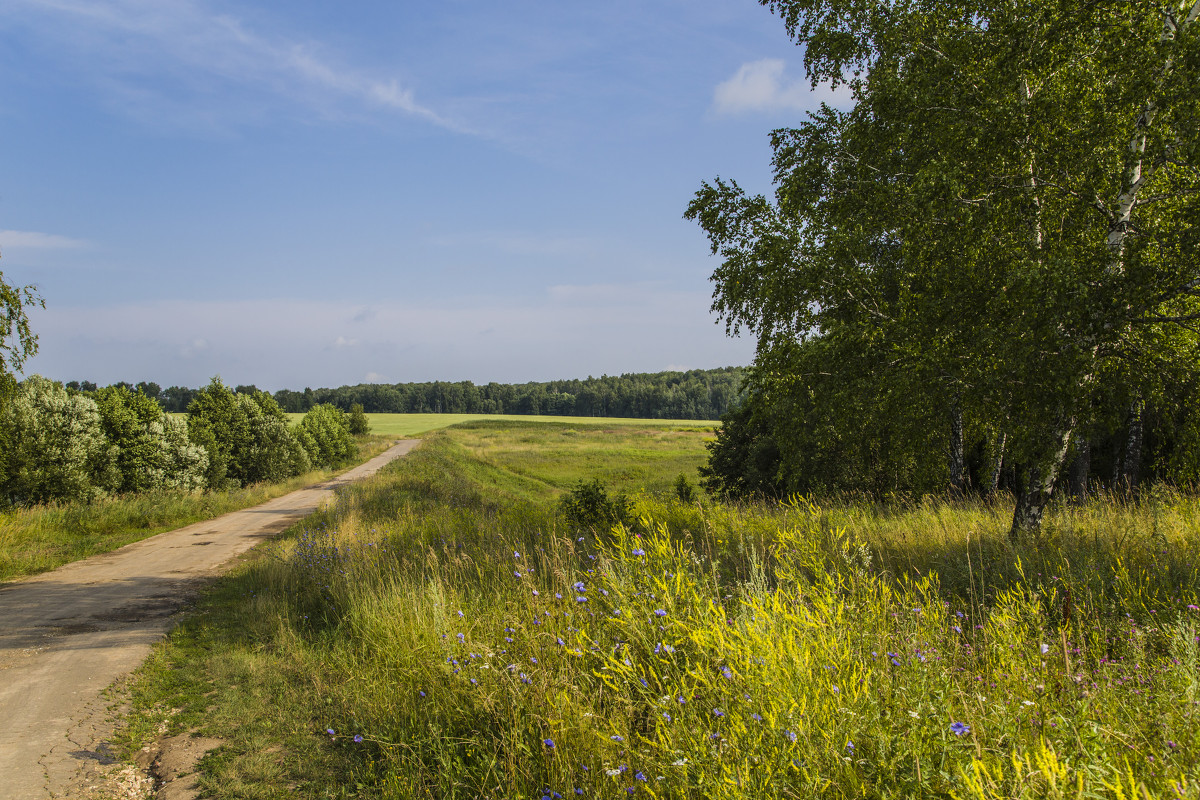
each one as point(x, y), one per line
point(786, 651)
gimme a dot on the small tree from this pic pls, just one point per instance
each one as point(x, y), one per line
point(359, 424)
point(329, 430)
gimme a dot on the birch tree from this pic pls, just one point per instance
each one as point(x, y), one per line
point(1010, 209)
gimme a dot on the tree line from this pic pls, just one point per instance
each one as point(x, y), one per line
point(986, 271)
point(695, 394)
point(64, 444)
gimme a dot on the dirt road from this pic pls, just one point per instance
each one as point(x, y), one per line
point(67, 635)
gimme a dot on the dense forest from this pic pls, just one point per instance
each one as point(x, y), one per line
point(696, 394)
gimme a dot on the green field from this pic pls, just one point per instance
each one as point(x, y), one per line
point(445, 631)
point(409, 425)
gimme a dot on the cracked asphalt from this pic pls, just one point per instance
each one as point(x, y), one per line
point(67, 635)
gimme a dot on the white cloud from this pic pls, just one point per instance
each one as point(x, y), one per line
point(32, 240)
point(131, 46)
point(763, 86)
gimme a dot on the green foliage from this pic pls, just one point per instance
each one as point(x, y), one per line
point(589, 507)
point(57, 448)
point(684, 491)
point(246, 437)
point(327, 437)
point(17, 340)
point(359, 425)
point(1002, 224)
point(153, 451)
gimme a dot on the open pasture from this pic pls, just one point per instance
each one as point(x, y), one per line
point(408, 425)
point(443, 631)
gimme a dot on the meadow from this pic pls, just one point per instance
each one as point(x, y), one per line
point(445, 631)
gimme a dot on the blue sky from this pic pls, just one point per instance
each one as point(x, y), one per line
point(309, 193)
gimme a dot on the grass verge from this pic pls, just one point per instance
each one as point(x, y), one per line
point(39, 539)
point(440, 632)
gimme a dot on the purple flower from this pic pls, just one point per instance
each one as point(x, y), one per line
point(581, 599)
point(791, 737)
point(330, 731)
point(357, 738)
point(718, 712)
point(639, 552)
point(756, 717)
point(578, 586)
point(549, 743)
point(960, 728)
point(658, 612)
point(617, 738)
point(640, 776)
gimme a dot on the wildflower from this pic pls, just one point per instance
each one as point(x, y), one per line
point(718, 712)
point(666, 716)
point(460, 614)
point(516, 554)
point(559, 640)
point(640, 776)
point(756, 717)
point(421, 693)
point(1045, 648)
point(578, 586)
point(330, 731)
point(474, 682)
point(557, 596)
point(517, 575)
point(617, 738)
point(960, 728)
point(533, 659)
point(836, 690)
point(850, 746)
point(549, 743)
point(791, 737)
point(658, 612)
point(358, 738)
point(460, 638)
point(535, 593)
point(726, 672)
point(581, 599)
point(638, 552)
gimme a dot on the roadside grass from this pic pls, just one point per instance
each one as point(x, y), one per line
point(42, 538)
point(441, 632)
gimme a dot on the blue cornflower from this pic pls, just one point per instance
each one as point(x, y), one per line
point(516, 574)
point(581, 599)
point(557, 596)
point(666, 716)
point(726, 672)
point(460, 614)
point(850, 746)
point(460, 637)
point(421, 693)
point(640, 776)
point(718, 712)
point(790, 736)
point(756, 717)
point(559, 641)
point(549, 743)
point(474, 682)
point(617, 738)
point(638, 552)
point(658, 612)
point(578, 586)
point(330, 731)
point(357, 738)
point(960, 728)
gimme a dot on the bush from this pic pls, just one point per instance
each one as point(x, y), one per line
point(56, 446)
point(359, 425)
point(246, 436)
point(326, 435)
point(588, 506)
point(153, 451)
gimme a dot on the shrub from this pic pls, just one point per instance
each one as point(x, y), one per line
point(359, 425)
point(329, 441)
point(56, 446)
point(153, 451)
point(588, 506)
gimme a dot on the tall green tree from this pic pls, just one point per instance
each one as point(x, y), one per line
point(1008, 215)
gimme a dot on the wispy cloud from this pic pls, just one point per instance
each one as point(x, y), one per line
point(147, 51)
point(764, 86)
point(32, 240)
point(570, 332)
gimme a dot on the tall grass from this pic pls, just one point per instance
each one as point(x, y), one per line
point(457, 642)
